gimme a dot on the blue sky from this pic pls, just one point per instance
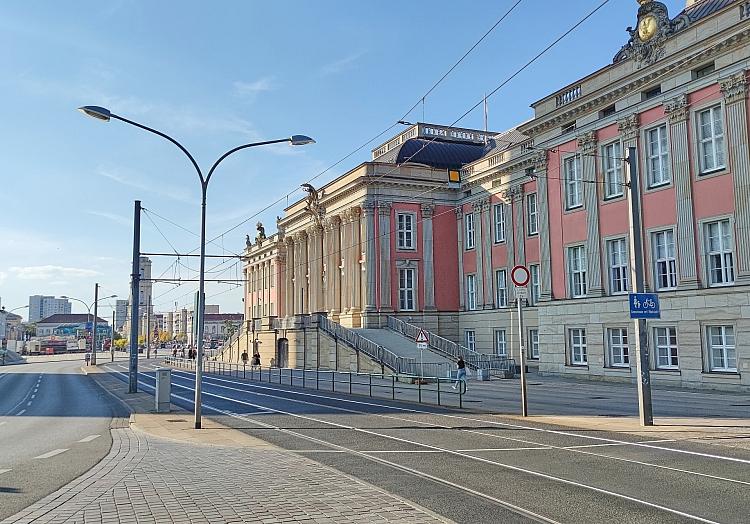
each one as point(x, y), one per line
point(220, 74)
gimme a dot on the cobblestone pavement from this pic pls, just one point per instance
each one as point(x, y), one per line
point(150, 479)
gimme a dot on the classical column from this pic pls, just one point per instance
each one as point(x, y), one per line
point(304, 273)
point(355, 255)
point(460, 232)
point(486, 246)
point(519, 232)
point(344, 265)
point(289, 276)
point(428, 257)
point(588, 145)
point(678, 113)
point(281, 283)
point(477, 208)
point(333, 272)
point(545, 262)
point(384, 239)
point(314, 234)
point(369, 249)
point(734, 89)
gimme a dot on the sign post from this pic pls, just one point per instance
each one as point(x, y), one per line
point(520, 276)
point(422, 341)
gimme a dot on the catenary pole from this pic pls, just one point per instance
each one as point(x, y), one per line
point(135, 277)
point(148, 327)
point(522, 358)
point(93, 324)
point(637, 273)
point(112, 339)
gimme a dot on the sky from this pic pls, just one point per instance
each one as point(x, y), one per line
point(215, 75)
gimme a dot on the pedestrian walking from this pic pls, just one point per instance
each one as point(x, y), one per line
point(256, 361)
point(461, 374)
point(174, 352)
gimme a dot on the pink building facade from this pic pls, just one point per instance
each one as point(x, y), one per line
point(431, 227)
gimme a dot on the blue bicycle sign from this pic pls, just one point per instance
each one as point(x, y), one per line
point(644, 305)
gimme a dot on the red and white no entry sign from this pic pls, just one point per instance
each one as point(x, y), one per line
point(520, 275)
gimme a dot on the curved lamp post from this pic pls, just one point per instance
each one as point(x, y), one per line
point(104, 114)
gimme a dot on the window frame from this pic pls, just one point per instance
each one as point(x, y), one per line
point(404, 291)
point(536, 284)
point(504, 288)
point(583, 361)
point(583, 284)
point(612, 170)
point(532, 216)
point(664, 157)
point(411, 231)
point(470, 344)
point(623, 267)
point(670, 262)
point(533, 343)
point(469, 231)
point(471, 292)
point(672, 349)
point(713, 109)
point(725, 368)
point(497, 342)
point(618, 347)
point(499, 225)
point(722, 253)
point(575, 161)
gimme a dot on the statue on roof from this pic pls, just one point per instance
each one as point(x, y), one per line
point(248, 242)
point(647, 39)
point(261, 236)
point(312, 203)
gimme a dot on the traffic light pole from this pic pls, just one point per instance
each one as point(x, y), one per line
point(637, 273)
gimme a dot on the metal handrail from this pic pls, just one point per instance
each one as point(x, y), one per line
point(375, 351)
point(448, 348)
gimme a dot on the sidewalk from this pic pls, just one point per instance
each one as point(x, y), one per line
point(161, 470)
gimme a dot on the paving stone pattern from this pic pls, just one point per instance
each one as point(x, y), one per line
point(149, 479)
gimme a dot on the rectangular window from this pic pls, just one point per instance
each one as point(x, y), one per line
point(704, 71)
point(501, 288)
point(617, 343)
point(577, 342)
point(469, 221)
point(612, 167)
point(532, 222)
point(665, 340)
point(720, 258)
point(533, 343)
point(471, 339)
point(406, 285)
point(617, 257)
point(665, 261)
point(657, 156)
point(271, 275)
point(651, 93)
point(501, 348)
point(471, 292)
point(722, 353)
point(498, 211)
point(405, 230)
point(535, 284)
point(577, 271)
point(573, 183)
point(711, 139)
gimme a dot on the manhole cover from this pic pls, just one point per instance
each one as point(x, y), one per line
point(176, 420)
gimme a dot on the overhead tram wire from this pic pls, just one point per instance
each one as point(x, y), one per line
point(383, 132)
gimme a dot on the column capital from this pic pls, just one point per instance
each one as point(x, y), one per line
point(384, 208)
point(299, 236)
point(628, 126)
point(539, 161)
point(314, 231)
point(459, 211)
point(587, 142)
point(676, 109)
point(517, 193)
point(289, 240)
point(427, 210)
point(332, 222)
point(734, 88)
point(480, 205)
point(368, 207)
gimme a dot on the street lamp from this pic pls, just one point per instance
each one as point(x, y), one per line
point(88, 317)
point(104, 114)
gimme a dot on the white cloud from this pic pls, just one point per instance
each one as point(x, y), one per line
point(251, 89)
point(340, 65)
point(119, 219)
point(50, 272)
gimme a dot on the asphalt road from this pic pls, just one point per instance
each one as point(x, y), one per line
point(473, 467)
point(54, 426)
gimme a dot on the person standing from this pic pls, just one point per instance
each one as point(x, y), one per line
point(461, 374)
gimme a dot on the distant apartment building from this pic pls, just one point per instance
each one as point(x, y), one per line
point(42, 306)
point(121, 314)
point(145, 288)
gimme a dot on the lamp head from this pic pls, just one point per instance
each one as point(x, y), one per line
point(301, 140)
point(100, 113)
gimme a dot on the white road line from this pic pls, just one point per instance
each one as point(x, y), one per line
point(28, 404)
point(32, 398)
point(524, 441)
point(52, 453)
point(36, 389)
point(4, 471)
point(447, 451)
point(21, 412)
point(494, 423)
point(3, 422)
point(89, 438)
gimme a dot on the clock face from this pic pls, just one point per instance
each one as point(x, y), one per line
point(647, 28)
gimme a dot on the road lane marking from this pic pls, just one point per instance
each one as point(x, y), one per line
point(428, 446)
point(4, 471)
point(52, 453)
point(3, 422)
point(89, 438)
point(28, 403)
point(21, 412)
point(32, 397)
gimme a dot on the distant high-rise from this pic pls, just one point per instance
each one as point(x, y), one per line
point(144, 291)
point(41, 306)
point(121, 313)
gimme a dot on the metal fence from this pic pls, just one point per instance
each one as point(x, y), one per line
point(425, 390)
point(495, 365)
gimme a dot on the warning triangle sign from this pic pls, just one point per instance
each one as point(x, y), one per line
point(422, 336)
